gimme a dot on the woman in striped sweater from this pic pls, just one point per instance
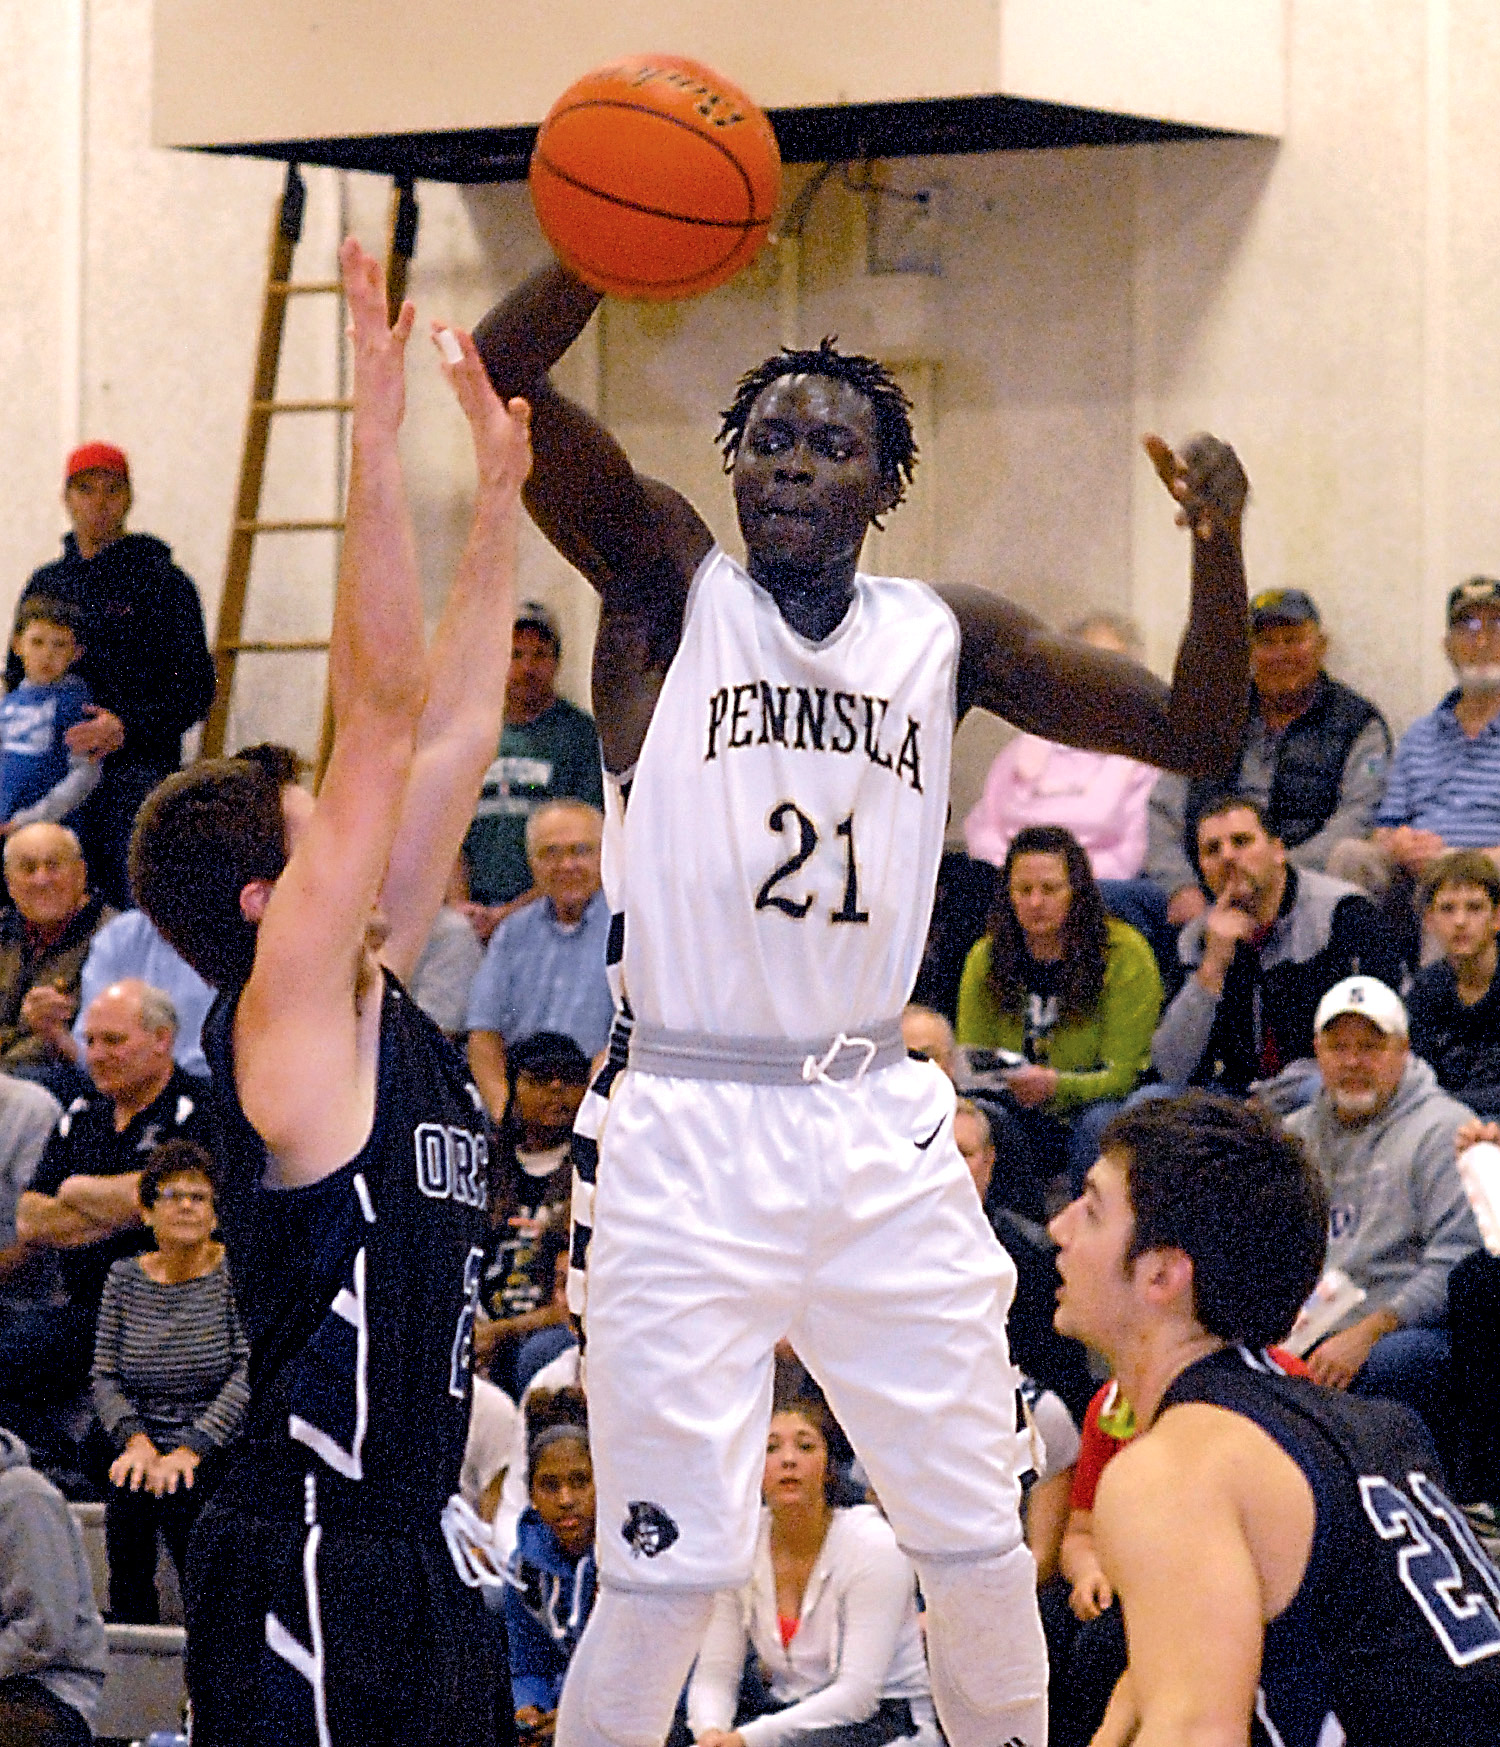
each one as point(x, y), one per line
point(171, 1376)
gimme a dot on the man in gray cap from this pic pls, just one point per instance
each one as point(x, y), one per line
point(548, 751)
point(1314, 757)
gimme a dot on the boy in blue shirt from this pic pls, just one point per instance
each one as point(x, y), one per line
point(39, 778)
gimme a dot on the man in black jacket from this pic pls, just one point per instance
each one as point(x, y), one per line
point(145, 656)
point(1274, 942)
point(1313, 757)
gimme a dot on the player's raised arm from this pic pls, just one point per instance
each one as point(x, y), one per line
point(630, 537)
point(467, 664)
point(296, 1023)
point(1066, 690)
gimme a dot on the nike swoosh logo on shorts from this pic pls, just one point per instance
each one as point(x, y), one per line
point(922, 1145)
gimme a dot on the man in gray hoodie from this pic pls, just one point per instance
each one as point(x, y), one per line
point(1381, 1132)
point(52, 1649)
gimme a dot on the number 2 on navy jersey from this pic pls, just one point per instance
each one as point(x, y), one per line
point(787, 817)
point(1459, 1611)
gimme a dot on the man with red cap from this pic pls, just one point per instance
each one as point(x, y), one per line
point(145, 656)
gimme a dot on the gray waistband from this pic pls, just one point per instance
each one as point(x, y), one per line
point(766, 1061)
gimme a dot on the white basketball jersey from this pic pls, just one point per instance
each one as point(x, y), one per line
point(786, 817)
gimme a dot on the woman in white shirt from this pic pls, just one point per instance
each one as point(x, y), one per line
point(830, 1611)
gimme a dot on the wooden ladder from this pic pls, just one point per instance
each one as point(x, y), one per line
point(229, 640)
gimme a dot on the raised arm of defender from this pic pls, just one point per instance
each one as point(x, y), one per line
point(305, 1033)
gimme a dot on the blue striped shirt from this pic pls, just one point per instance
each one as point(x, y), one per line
point(1444, 780)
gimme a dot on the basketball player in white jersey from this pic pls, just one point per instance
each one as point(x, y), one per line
point(772, 1163)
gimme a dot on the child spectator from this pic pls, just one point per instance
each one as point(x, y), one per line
point(1453, 1010)
point(39, 778)
point(551, 1576)
point(531, 1183)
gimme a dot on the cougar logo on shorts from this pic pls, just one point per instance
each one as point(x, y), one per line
point(648, 1529)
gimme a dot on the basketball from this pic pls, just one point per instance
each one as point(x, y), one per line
point(655, 178)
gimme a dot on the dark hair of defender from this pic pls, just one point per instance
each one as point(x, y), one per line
point(175, 1158)
point(200, 838)
point(895, 445)
point(1223, 1182)
point(1085, 932)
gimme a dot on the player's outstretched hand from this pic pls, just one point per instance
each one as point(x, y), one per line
point(501, 429)
point(1207, 481)
point(379, 349)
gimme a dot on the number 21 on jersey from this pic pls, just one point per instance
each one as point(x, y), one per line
point(1438, 1560)
point(787, 818)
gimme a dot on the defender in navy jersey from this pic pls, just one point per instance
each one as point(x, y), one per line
point(1291, 1568)
point(770, 1163)
point(333, 1594)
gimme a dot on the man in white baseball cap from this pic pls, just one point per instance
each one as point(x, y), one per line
point(1381, 1133)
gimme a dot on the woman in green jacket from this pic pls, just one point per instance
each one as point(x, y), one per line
point(1071, 991)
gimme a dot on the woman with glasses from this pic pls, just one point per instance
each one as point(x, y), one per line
point(171, 1376)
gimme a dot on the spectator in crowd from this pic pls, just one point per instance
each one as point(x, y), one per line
point(1275, 941)
point(1453, 1006)
point(84, 1202)
point(548, 751)
point(171, 1377)
point(145, 656)
point(830, 1611)
point(1100, 797)
point(1314, 757)
point(515, 1494)
point(551, 1571)
point(40, 778)
point(129, 947)
point(1442, 791)
point(44, 938)
point(28, 1114)
point(928, 1034)
point(450, 960)
point(1381, 1133)
point(1071, 989)
point(53, 1657)
point(544, 967)
point(531, 1181)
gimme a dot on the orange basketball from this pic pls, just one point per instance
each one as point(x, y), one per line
point(655, 178)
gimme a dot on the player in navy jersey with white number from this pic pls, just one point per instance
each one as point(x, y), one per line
point(1291, 1569)
point(770, 1162)
point(332, 1596)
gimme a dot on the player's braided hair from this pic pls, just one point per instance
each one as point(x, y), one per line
point(895, 444)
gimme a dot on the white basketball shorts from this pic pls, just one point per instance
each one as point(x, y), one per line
point(841, 1216)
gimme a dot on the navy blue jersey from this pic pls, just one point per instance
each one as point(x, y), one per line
point(1393, 1637)
point(360, 1290)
